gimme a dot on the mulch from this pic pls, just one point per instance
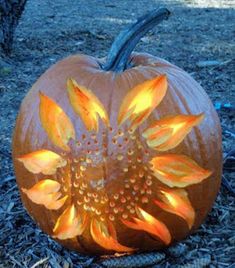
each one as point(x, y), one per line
point(197, 38)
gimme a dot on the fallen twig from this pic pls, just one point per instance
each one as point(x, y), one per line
point(6, 154)
point(225, 182)
point(228, 130)
point(6, 179)
point(39, 262)
point(227, 185)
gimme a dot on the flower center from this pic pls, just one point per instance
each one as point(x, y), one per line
point(108, 183)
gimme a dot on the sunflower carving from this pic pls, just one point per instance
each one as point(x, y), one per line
point(162, 180)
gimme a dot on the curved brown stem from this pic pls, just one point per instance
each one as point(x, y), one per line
point(126, 41)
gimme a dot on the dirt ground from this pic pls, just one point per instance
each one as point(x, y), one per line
point(197, 33)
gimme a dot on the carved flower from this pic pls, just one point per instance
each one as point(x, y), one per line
point(166, 175)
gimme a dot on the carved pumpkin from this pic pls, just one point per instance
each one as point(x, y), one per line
point(118, 157)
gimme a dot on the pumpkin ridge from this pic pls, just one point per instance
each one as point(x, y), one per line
point(107, 186)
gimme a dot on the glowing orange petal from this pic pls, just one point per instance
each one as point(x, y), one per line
point(178, 170)
point(177, 202)
point(69, 224)
point(150, 224)
point(43, 161)
point(56, 123)
point(46, 192)
point(175, 127)
point(105, 236)
point(142, 100)
point(56, 203)
point(160, 136)
point(86, 105)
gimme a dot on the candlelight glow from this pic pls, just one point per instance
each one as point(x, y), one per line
point(168, 132)
point(86, 105)
point(55, 122)
point(42, 161)
point(177, 170)
point(150, 224)
point(142, 100)
point(105, 236)
point(177, 202)
point(69, 224)
point(46, 192)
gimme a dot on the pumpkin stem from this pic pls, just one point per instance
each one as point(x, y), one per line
point(126, 41)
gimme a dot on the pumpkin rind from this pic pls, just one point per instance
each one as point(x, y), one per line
point(106, 177)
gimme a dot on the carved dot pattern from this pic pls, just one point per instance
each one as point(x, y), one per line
point(90, 195)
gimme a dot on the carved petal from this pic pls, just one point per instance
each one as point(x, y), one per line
point(86, 105)
point(150, 224)
point(142, 100)
point(43, 161)
point(168, 132)
point(177, 202)
point(46, 192)
point(178, 170)
point(160, 137)
point(56, 123)
point(69, 224)
point(104, 235)
point(57, 203)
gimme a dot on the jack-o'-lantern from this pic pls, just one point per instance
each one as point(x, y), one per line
point(118, 156)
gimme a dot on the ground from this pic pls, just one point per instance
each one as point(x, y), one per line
point(197, 33)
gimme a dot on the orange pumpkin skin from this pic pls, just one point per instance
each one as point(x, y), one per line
point(118, 168)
